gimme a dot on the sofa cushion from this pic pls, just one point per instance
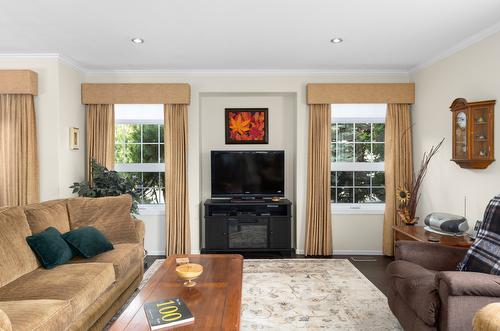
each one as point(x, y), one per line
point(50, 248)
point(484, 254)
point(5, 324)
point(110, 215)
point(416, 286)
point(16, 257)
point(38, 315)
point(46, 214)
point(80, 284)
point(88, 241)
point(124, 257)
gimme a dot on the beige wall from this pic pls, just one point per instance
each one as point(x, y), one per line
point(57, 107)
point(474, 74)
point(71, 114)
point(368, 228)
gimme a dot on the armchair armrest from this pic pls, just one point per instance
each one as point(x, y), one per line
point(5, 322)
point(139, 229)
point(430, 256)
point(460, 283)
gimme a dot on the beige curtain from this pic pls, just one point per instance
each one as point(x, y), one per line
point(398, 166)
point(176, 183)
point(100, 136)
point(318, 210)
point(19, 175)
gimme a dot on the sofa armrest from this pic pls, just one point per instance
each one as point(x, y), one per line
point(139, 229)
point(463, 283)
point(430, 256)
point(5, 324)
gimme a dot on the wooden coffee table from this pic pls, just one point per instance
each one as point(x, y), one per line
point(215, 301)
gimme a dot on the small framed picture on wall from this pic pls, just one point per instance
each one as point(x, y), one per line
point(246, 126)
point(74, 138)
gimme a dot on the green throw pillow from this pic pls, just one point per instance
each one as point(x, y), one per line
point(88, 241)
point(50, 248)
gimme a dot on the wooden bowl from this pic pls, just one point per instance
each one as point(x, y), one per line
point(188, 272)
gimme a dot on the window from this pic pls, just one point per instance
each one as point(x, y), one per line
point(139, 148)
point(357, 168)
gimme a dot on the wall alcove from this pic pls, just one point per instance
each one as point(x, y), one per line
point(282, 134)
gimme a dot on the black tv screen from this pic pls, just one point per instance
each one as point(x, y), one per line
point(248, 173)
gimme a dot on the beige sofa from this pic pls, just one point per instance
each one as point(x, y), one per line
point(82, 294)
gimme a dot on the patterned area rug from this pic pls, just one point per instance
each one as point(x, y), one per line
point(311, 294)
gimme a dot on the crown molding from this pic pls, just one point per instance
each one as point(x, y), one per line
point(50, 56)
point(249, 72)
point(72, 63)
point(457, 48)
point(206, 72)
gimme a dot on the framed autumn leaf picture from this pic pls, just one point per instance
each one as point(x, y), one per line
point(246, 126)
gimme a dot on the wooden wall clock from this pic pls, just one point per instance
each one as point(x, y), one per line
point(473, 133)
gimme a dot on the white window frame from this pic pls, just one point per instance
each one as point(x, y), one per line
point(357, 208)
point(144, 209)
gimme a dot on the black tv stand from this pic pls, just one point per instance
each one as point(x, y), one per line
point(246, 200)
point(247, 226)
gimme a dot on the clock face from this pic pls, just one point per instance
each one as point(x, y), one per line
point(461, 120)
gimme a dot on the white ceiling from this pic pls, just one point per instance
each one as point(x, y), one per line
point(243, 34)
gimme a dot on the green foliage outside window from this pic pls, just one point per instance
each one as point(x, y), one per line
point(142, 144)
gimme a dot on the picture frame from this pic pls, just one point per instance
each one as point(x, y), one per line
point(74, 138)
point(246, 125)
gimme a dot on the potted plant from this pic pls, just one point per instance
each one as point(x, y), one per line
point(109, 183)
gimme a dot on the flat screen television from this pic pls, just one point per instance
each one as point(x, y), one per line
point(248, 174)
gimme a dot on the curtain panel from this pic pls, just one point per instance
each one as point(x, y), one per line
point(318, 208)
point(100, 136)
point(398, 166)
point(176, 182)
point(19, 172)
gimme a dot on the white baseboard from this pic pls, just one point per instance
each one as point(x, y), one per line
point(155, 252)
point(299, 251)
point(356, 252)
point(349, 252)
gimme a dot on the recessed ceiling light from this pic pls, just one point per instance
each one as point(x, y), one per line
point(336, 40)
point(137, 40)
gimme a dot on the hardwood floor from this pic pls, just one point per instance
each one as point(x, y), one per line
point(371, 266)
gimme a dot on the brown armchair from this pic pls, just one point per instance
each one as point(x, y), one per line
point(426, 293)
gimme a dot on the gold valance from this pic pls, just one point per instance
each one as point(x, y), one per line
point(361, 93)
point(18, 82)
point(136, 93)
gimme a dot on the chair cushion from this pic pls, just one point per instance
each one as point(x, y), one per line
point(51, 213)
point(88, 241)
point(124, 257)
point(16, 257)
point(80, 284)
point(110, 215)
point(38, 315)
point(415, 285)
point(50, 248)
point(484, 254)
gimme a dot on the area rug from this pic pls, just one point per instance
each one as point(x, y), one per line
point(307, 294)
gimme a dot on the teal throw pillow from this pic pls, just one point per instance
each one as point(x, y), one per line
point(50, 248)
point(88, 241)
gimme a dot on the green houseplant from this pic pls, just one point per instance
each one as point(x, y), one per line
point(107, 183)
